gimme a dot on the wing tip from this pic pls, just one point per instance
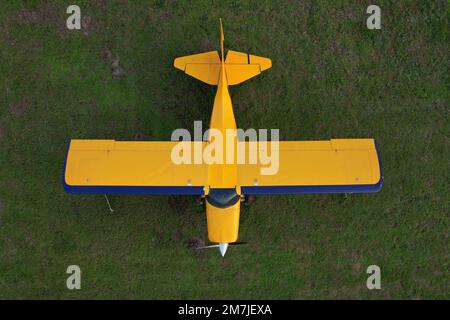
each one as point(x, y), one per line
point(177, 63)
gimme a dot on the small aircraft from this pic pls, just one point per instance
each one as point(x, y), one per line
point(139, 167)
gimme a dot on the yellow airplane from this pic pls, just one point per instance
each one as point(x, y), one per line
point(129, 167)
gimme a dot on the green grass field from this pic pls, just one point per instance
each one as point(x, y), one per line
point(331, 78)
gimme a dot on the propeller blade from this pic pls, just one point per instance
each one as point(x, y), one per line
point(222, 246)
point(207, 247)
point(237, 243)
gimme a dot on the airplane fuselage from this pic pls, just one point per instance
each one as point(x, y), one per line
point(223, 199)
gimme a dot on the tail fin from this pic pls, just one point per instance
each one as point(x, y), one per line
point(239, 66)
point(222, 39)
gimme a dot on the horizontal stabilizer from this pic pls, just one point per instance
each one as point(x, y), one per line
point(208, 72)
point(234, 57)
point(203, 66)
point(241, 66)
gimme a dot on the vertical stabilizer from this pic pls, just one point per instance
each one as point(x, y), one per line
point(222, 39)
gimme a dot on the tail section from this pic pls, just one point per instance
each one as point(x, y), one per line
point(239, 66)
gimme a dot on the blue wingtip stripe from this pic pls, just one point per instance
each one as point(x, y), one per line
point(254, 190)
point(133, 190)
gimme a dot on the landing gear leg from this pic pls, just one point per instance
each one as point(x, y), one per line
point(109, 205)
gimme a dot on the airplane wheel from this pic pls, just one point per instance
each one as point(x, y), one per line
point(200, 200)
point(248, 200)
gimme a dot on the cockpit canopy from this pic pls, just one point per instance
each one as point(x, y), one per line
point(222, 197)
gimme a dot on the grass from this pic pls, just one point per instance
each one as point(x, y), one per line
point(331, 78)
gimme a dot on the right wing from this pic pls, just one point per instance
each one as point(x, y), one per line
point(334, 166)
point(131, 167)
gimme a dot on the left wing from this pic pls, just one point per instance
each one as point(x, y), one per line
point(333, 166)
point(126, 167)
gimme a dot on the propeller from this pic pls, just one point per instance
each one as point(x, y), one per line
point(222, 246)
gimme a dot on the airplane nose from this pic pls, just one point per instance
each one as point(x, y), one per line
point(223, 248)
